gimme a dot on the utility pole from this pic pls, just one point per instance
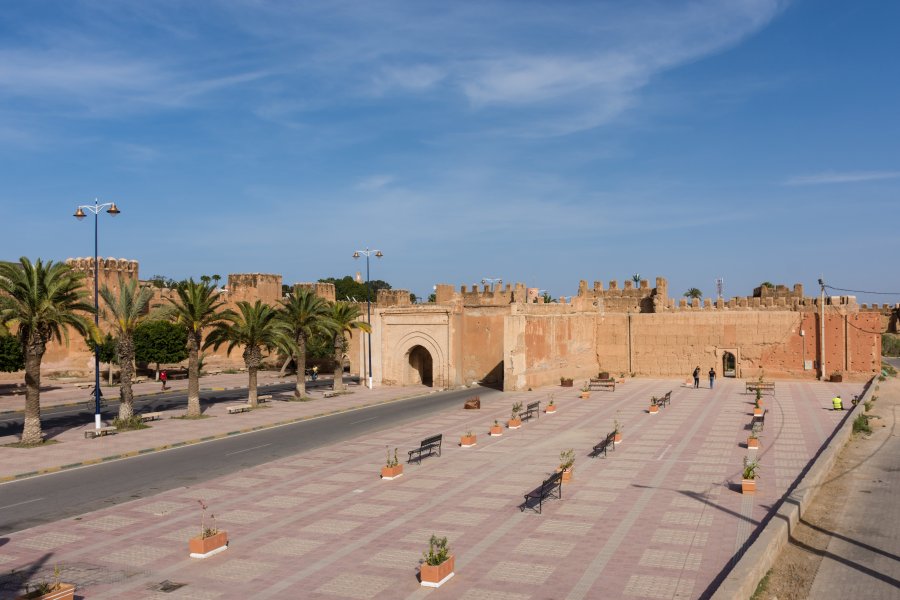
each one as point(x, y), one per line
point(822, 330)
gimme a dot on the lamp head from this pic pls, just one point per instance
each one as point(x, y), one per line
point(356, 255)
point(378, 254)
point(79, 214)
point(113, 210)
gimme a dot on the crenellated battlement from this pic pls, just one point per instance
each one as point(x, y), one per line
point(325, 291)
point(488, 295)
point(393, 298)
point(254, 286)
point(846, 304)
point(629, 298)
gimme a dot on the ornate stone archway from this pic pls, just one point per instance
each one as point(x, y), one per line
point(410, 355)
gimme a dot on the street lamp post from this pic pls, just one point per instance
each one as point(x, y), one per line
point(367, 252)
point(492, 280)
point(79, 214)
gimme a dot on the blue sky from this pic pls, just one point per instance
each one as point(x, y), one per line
point(533, 141)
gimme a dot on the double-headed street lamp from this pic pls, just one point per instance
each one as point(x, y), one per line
point(80, 214)
point(492, 281)
point(367, 253)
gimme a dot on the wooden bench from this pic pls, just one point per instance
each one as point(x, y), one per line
point(93, 433)
point(602, 384)
point(151, 416)
point(551, 485)
point(330, 394)
point(239, 409)
point(664, 400)
point(609, 442)
point(176, 375)
point(427, 447)
point(264, 398)
point(762, 386)
point(532, 410)
point(761, 419)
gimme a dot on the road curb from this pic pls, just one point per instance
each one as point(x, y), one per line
point(209, 438)
point(760, 556)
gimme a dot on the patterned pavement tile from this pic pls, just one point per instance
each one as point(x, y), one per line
point(109, 522)
point(319, 488)
point(581, 510)
point(680, 537)
point(367, 510)
point(182, 535)
point(565, 527)
point(140, 555)
point(544, 547)
point(649, 586)
point(243, 517)
point(454, 517)
point(290, 546)
point(361, 587)
point(204, 493)
point(278, 472)
point(481, 594)
point(282, 502)
point(397, 496)
point(332, 526)
point(424, 484)
point(398, 559)
point(509, 490)
point(49, 541)
point(238, 569)
point(246, 483)
point(487, 502)
point(520, 572)
point(162, 508)
point(421, 536)
point(670, 559)
point(596, 495)
point(689, 519)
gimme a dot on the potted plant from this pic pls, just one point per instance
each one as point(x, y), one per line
point(749, 476)
point(585, 391)
point(392, 468)
point(468, 440)
point(757, 404)
point(653, 407)
point(566, 464)
point(621, 378)
point(437, 567)
point(496, 429)
point(551, 407)
point(211, 540)
point(837, 377)
point(753, 438)
point(50, 591)
point(514, 421)
point(566, 381)
point(617, 432)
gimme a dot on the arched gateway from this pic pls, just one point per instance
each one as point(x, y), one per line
point(421, 366)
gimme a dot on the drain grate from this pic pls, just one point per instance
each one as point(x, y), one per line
point(167, 586)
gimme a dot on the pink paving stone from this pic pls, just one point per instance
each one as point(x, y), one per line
point(658, 517)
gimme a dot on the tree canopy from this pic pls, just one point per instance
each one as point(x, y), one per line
point(347, 288)
point(160, 342)
point(11, 356)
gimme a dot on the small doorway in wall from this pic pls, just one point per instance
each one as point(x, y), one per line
point(729, 365)
point(420, 366)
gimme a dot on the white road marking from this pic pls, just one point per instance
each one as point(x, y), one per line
point(664, 452)
point(248, 449)
point(21, 503)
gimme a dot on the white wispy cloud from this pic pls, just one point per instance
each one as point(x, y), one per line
point(841, 177)
point(375, 182)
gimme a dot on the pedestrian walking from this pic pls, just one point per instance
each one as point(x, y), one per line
point(697, 377)
point(712, 377)
point(164, 377)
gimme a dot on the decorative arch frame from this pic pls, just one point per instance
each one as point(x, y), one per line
point(439, 366)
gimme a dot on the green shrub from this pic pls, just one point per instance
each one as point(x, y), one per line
point(890, 344)
point(133, 422)
point(861, 424)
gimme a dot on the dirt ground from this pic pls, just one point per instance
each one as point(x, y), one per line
point(792, 576)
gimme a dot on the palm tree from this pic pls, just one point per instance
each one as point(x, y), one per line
point(124, 312)
point(42, 301)
point(255, 326)
point(343, 319)
point(693, 293)
point(636, 278)
point(305, 315)
point(197, 307)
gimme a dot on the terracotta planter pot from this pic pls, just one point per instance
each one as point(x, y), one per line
point(757, 412)
point(585, 395)
point(391, 472)
point(204, 547)
point(567, 475)
point(496, 430)
point(654, 409)
point(514, 423)
point(436, 576)
point(551, 409)
point(467, 441)
point(752, 443)
point(617, 439)
point(64, 591)
point(620, 380)
point(748, 486)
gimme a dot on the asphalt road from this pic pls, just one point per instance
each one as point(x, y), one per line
point(47, 498)
point(73, 416)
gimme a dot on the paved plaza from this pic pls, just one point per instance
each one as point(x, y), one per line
point(660, 517)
